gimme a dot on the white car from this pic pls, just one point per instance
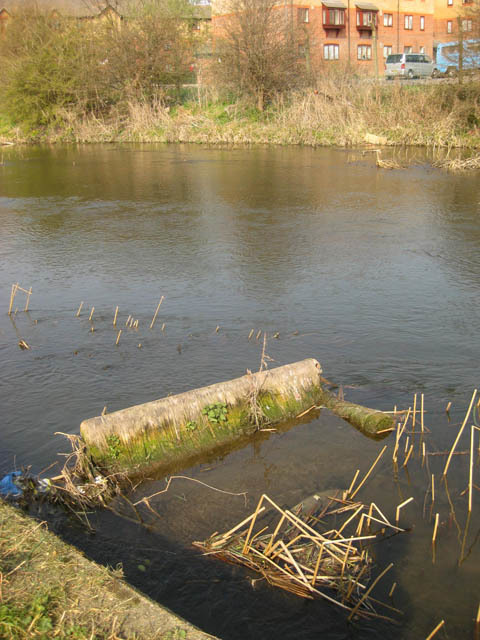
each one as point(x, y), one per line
point(409, 65)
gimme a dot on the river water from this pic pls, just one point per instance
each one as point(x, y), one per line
point(375, 273)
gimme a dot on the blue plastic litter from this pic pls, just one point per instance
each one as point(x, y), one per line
point(8, 486)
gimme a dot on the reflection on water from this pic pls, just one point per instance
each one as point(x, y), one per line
point(375, 273)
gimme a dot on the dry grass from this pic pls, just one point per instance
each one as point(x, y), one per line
point(341, 110)
point(49, 590)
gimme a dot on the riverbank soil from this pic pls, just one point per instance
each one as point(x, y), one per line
point(48, 589)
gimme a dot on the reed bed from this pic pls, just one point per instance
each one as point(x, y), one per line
point(314, 553)
point(459, 165)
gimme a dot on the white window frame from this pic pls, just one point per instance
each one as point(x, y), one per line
point(421, 50)
point(466, 25)
point(422, 23)
point(303, 12)
point(387, 50)
point(331, 51)
point(408, 22)
point(449, 26)
point(407, 49)
point(388, 19)
point(364, 52)
point(450, 3)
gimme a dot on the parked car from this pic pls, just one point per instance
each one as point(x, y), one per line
point(409, 65)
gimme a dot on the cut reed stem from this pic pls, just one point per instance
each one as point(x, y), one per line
point(467, 415)
point(156, 312)
point(79, 309)
point(400, 506)
point(435, 631)
point(118, 337)
point(28, 299)
point(91, 313)
point(370, 588)
point(435, 528)
point(368, 473)
point(115, 317)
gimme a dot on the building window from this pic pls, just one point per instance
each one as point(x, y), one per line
point(466, 25)
point(388, 20)
point(408, 49)
point(421, 50)
point(330, 51)
point(450, 3)
point(303, 15)
point(366, 18)
point(364, 52)
point(408, 22)
point(422, 23)
point(449, 26)
point(334, 17)
point(387, 50)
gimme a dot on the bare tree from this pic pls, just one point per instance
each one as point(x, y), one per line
point(257, 49)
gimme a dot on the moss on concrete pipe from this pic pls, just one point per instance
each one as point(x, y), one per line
point(172, 429)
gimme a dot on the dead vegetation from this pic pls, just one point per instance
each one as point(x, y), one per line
point(311, 554)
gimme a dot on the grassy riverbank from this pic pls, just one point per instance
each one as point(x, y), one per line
point(337, 113)
point(50, 590)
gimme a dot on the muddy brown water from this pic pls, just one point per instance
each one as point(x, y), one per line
point(375, 273)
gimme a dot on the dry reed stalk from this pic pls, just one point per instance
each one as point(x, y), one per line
point(368, 473)
point(407, 441)
point(163, 326)
point(79, 309)
point(434, 536)
point(156, 312)
point(408, 456)
point(349, 490)
point(104, 410)
point(370, 588)
point(258, 334)
point(118, 337)
point(115, 317)
point(467, 415)
point(400, 506)
point(29, 293)
point(414, 412)
point(217, 328)
point(470, 475)
point(390, 593)
point(435, 631)
point(245, 546)
point(477, 624)
point(422, 424)
point(13, 293)
point(250, 334)
point(91, 313)
point(128, 320)
point(448, 407)
point(423, 453)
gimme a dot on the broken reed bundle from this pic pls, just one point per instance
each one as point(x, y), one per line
point(80, 486)
point(297, 557)
point(13, 292)
point(458, 165)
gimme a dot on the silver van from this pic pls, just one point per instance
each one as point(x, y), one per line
point(409, 65)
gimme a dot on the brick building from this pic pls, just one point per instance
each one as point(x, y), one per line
point(353, 30)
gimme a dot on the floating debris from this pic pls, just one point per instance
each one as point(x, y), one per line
point(23, 345)
point(308, 552)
